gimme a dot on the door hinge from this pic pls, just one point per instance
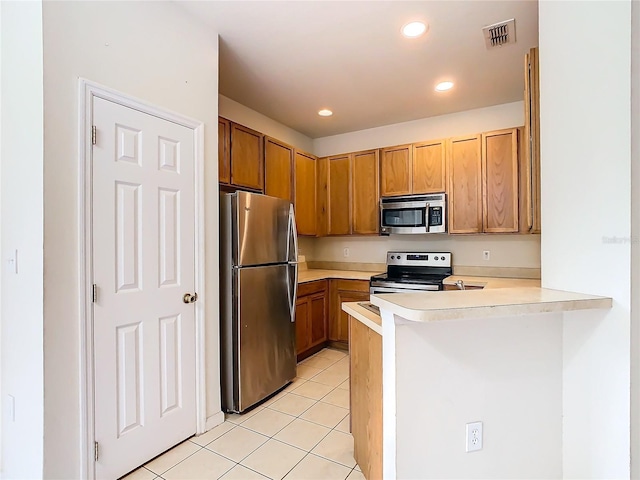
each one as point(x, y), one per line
point(95, 451)
point(94, 134)
point(94, 293)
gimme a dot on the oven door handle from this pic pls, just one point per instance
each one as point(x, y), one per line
point(376, 290)
point(408, 287)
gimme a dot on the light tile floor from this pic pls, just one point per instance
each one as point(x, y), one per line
point(302, 433)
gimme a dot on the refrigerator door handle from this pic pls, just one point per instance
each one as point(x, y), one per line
point(293, 237)
point(292, 290)
point(293, 262)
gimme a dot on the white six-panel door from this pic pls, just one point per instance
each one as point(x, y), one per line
point(143, 265)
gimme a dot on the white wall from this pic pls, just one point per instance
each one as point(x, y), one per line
point(443, 126)
point(153, 51)
point(505, 372)
point(21, 218)
point(635, 245)
point(585, 155)
point(238, 113)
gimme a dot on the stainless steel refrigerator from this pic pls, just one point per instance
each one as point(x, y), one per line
point(258, 285)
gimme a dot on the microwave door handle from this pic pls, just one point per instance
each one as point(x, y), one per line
point(427, 220)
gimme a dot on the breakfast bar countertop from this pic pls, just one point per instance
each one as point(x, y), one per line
point(451, 305)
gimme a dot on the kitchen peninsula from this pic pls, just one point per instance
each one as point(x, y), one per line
point(442, 361)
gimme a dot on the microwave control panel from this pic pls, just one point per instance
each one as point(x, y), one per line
point(435, 216)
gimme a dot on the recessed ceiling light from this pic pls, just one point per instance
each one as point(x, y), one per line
point(444, 86)
point(414, 29)
point(325, 112)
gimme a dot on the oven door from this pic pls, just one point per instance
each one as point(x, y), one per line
point(392, 287)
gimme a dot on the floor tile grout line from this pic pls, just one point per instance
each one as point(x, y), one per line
point(250, 453)
point(329, 460)
point(160, 474)
point(253, 470)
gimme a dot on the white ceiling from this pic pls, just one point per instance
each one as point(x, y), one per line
point(288, 59)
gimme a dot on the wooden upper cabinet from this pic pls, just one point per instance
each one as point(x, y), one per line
point(465, 184)
point(246, 157)
point(224, 154)
point(395, 170)
point(500, 181)
point(305, 193)
point(278, 169)
point(322, 196)
point(339, 195)
point(365, 190)
point(530, 151)
point(429, 167)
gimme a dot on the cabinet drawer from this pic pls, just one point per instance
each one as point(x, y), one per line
point(309, 288)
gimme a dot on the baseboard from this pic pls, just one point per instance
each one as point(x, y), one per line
point(213, 421)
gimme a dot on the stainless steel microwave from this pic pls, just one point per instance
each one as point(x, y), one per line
point(413, 214)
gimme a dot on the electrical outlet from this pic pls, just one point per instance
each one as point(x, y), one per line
point(486, 255)
point(474, 436)
point(345, 252)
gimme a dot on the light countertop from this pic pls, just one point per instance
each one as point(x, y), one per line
point(450, 305)
point(370, 319)
point(492, 282)
point(310, 275)
point(318, 274)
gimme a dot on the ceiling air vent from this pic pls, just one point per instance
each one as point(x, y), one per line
point(500, 34)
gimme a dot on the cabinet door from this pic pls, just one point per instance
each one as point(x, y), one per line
point(322, 197)
point(465, 185)
point(344, 291)
point(278, 169)
point(429, 167)
point(339, 195)
point(318, 319)
point(302, 325)
point(500, 181)
point(395, 170)
point(224, 155)
point(246, 157)
point(365, 387)
point(366, 196)
point(530, 161)
point(305, 193)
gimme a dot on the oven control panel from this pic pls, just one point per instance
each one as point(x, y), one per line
point(419, 259)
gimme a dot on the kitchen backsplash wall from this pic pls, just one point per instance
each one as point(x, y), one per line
point(504, 250)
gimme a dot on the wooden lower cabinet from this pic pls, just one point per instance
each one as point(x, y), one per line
point(311, 318)
point(365, 383)
point(342, 291)
point(320, 319)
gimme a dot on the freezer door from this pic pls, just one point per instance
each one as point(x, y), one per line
point(263, 228)
point(266, 331)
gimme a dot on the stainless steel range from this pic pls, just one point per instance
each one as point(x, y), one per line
point(412, 272)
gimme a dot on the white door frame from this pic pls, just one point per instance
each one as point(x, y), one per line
point(87, 90)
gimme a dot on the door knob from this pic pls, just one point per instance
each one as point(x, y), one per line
point(188, 298)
